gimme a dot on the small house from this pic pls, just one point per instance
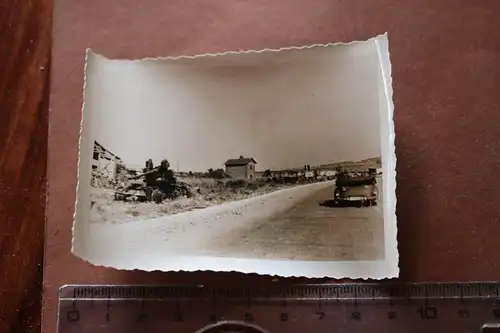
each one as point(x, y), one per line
point(241, 168)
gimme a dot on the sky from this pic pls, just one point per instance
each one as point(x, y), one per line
point(285, 109)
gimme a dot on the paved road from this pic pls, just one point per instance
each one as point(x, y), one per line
point(309, 231)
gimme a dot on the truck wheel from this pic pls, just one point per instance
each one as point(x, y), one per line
point(157, 196)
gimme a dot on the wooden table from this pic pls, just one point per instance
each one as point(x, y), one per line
point(446, 79)
point(25, 27)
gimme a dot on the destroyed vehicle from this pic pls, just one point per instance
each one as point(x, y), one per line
point(361, 190)
point(131, 195)
point(157, 193)
point(157, 184)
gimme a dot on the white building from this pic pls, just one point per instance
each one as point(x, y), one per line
point(328, 173)
point(241, 168)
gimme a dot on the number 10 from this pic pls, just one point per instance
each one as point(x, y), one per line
point(428, 312)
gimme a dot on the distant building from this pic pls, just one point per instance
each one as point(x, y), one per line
point(241, 168)
point(105, 164)
point(286, 173)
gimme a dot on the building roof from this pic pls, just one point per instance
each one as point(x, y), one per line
point(100, 148)
point(239, 161)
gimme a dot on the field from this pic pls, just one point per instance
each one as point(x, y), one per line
point(208, 192)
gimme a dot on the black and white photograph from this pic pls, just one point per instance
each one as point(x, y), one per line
point(276, 162)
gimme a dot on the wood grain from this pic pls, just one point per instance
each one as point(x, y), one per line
point(24, 91)
point(445, 58)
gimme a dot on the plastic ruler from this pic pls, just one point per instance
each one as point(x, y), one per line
point(346, 307)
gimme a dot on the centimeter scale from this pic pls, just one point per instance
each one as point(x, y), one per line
point(351, 307)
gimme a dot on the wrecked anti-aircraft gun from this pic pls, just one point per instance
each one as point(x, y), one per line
point(158, 183)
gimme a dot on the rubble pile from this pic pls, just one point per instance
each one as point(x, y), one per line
point(103, 180)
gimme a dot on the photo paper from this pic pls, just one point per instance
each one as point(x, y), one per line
point(277, 162)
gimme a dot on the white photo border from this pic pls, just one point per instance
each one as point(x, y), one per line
point(91, 241)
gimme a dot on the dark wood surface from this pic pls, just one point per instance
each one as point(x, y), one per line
point(24, 91)
point(446, 70)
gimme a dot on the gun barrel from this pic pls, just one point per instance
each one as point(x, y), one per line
point(150, 172)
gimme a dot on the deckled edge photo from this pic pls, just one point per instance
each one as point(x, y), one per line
point(86, 236)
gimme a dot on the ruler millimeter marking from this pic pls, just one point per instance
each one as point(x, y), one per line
point(348, 307)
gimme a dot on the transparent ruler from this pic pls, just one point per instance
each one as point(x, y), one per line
point(353, 307)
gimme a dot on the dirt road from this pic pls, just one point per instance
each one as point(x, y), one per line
point(309, 231)
point(286, 224)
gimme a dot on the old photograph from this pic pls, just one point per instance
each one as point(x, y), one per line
point(274, 162)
